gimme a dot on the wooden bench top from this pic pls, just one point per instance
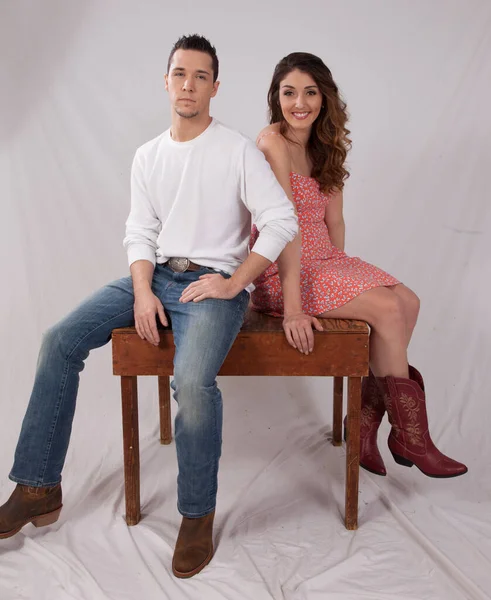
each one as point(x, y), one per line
point(261, 348)
point(258, 322)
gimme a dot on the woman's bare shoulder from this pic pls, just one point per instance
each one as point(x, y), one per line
point(275, 148)
point(270, 131)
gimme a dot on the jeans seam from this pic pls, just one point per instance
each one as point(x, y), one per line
point(239, 308)
point(211, 490)
point(55, 420)
point(61, 396)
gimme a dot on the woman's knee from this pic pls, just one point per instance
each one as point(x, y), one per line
point(411, 303)
point(412, 308)
point(388, 311)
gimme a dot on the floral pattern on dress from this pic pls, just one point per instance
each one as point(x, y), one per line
point(329, 277)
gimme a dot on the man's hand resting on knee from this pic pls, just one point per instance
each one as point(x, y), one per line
point(147, 305)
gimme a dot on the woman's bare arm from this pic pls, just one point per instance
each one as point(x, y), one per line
point(334, 220)
point(297, 325)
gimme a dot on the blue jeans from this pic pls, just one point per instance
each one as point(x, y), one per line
point(203, 334)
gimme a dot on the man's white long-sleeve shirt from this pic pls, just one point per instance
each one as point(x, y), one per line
point(195, 200)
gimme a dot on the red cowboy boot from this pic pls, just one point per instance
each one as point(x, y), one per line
point(409, 441)
point(372, 412)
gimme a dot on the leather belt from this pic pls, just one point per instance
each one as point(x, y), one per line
point(181, 265)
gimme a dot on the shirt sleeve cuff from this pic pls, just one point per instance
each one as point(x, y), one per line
point(140, 252)
point(268, 247)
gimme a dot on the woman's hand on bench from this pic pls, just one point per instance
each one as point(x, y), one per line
point(298, 329)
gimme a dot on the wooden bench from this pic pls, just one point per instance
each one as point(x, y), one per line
point(341, 350)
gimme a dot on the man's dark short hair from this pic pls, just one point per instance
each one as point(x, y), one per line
point(195, 42)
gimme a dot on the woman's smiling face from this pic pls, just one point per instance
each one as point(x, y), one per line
point(300, 99)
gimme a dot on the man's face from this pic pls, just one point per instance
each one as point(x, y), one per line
point(190, 83)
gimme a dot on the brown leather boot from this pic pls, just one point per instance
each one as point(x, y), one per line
point(37, 505)
point(194, 546)
point(372, 412)
point(409, 441)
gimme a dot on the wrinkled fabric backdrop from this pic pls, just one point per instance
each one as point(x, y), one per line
point(81, 88)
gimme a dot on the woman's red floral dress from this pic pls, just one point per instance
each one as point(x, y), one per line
point(329, 278)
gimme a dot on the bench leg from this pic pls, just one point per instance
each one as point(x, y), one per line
point(337, 412)
point(353, 452)
point(164, 405)
point(131, 448)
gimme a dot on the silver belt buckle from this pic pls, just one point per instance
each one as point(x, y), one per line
point(178, 264)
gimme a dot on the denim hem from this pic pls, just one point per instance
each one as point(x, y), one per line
point(189, 515)
point(32, 483)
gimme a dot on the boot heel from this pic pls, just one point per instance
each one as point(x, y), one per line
point(402, 461)
point(47, 519)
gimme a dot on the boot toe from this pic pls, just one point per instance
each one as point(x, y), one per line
point(370, 458)
point(190, 561)
point(453, 468)
point(374, 464)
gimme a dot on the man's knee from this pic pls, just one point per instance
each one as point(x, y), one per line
point(196, 396)
point(60, 342)
point(190, 384)
point(54, 340)
point(89, 325)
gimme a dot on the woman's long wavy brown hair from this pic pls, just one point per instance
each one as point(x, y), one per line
point(329, 143)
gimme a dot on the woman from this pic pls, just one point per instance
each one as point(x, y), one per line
point(306, 145)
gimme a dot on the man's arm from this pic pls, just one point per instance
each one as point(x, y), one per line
point(272, 211)
point(143, 225)
point(142, 230)
point(216, 286)
point(275, 219)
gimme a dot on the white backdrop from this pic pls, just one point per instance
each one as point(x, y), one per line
point(82, 87)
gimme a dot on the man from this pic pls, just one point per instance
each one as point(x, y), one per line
point(193, 191)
